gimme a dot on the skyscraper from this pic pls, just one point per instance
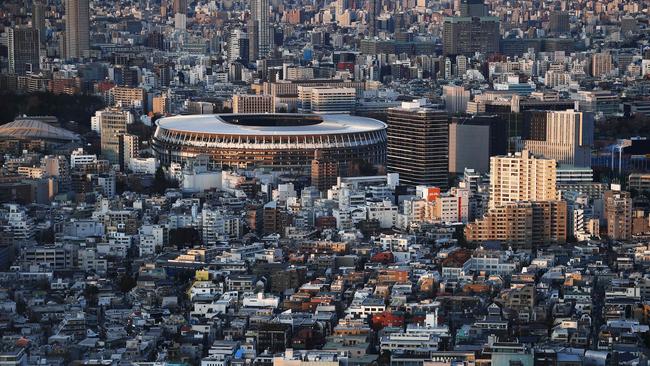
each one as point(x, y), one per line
point(418, 144)
point(521, 177)
point(38, 20)
point(77, 30)
point(260, 32)
point(564, 136)
point(23, 45)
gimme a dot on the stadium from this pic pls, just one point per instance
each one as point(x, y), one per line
point(276, 141)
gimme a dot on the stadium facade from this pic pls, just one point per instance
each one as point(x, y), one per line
point(284, 142)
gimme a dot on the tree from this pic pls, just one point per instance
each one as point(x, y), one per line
point(161, 183)
point(126, 283)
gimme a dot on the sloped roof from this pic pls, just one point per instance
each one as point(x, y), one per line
point(33, 129)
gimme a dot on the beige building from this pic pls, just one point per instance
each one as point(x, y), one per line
point(618, 214)
point(564, 136)
point(160, 105)
point(250, 103)
point(522, 224)
point(521, 177)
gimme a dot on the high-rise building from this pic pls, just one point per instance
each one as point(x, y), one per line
point(618, 214)
point(418, 144)
point(38, 20)
point(564, 136)
point(324, 171)
point(456, 98)
point(252, 103)
point(23, 47)
point(473, 8)
point(374, 10)
point(522, 224)
point(259, 30)
point(468, 35)
point(113, 124)
point(77, 28)
point(521, 177)
point(601, 64)
point(469, 146)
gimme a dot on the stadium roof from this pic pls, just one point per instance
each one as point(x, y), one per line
point(34, 130)
point(271, 124)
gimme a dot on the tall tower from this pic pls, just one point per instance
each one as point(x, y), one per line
point(38, 20)
point(23, 48)
point(260, 30)
point(374, 10)
point(77, 30)
point(418, 144)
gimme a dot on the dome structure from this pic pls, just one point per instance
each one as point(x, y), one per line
point(27, 129)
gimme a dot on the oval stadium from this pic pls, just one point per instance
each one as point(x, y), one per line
point(274, 141)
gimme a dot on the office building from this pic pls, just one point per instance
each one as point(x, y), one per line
point(468, 35)
point(418, 144)
point(23, 48)
point(113, 124)
point(521, 177)
point(252, 103)
point(456, 98)
point(618, 214)
point(522, 224)
point(77, 29)
point(564, 136)
point(325, 99)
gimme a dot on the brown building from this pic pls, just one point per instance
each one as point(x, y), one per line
point(618, 214)
point(324, 171)
point(522, 224)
